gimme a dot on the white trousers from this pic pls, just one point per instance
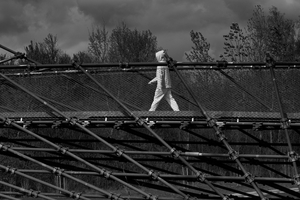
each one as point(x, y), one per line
point(164, 93)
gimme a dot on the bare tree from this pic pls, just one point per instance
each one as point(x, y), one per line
point(281, 31)
point(83, 57)
point(64, 59)
point(131, 45)
point(199, 52)
point(273, 33)
point(51, 49)
point(46, 51)
point(99, 44)
point(237, 45)
point(264, 33)
point(36, 52)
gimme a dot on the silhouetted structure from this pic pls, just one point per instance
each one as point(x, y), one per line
point(82, 131)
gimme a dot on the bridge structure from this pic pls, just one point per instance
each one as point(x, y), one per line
point(83, 131)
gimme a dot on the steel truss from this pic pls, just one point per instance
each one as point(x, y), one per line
point(172, 171)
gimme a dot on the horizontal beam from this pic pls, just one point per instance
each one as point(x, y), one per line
point(124, 124)
point(190, 154)
point(128, 66)
point(157, 114)
point(169, 176)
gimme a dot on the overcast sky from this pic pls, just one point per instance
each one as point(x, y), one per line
point(169, 20)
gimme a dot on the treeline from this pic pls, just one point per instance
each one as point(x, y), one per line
point(265, 32)
point(121, 45)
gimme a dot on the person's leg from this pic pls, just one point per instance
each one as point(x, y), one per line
point(171, 101)
point(159, 94)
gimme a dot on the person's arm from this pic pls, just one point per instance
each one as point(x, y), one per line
point(153, 81)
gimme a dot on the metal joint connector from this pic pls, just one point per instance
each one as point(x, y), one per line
point(63, 150)
point(119, 152)
point(114, 196)
point(106, 174)
point(141, 121)
point(26, 124)
point(118, 125)
point(33, 193)
point(31, 67)
point(75, 195)
point(293, 156)
point(201, 176)
point(4, 147)
point(297, 180)
point(124, 66)
point(56, 124)
point(73, 120)
point(152, 197)
point(188, 197)
point(85, 123)
point(76, 64)
point(248, 178)
point(285, 123)
point(257, 126)
point(184, 125)
point(175, 153)
point(270, 62)
point(221, 135)
point(7, 122)
point(171, 62)
point(10, 169)
point(211, 122)
point(154, 175)
point(57, 171)
point(233, 155)
point(20, 55)
point(226, 198)
point(220, 125)
point(222, 64)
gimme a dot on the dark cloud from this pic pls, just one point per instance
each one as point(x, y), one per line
point(242, 9)
point(18, 16)
point(170, 20)
point(11, 20)
point(113, 12)
point(168, 15)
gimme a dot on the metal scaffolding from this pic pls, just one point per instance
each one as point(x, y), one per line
point(82, 130)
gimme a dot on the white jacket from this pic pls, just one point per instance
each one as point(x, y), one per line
point(162, 72)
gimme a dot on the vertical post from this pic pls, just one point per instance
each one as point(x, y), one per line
point(56, 182)
point(64, 182)
point(60, 181)
point(293, 156)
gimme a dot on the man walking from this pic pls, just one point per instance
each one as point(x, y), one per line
point(163, 87)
